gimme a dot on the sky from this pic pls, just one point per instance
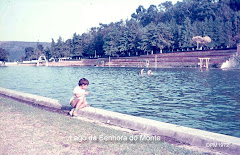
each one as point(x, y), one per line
point(42, 20)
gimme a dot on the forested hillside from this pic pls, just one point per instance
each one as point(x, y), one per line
point(16, 49)
point(184, 26)
point(165, 27)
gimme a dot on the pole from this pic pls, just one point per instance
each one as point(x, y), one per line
point(238, 49)
point(155, 61)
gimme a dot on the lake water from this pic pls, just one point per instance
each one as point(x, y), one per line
point(207, 100)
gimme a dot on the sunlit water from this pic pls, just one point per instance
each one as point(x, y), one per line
point(207, 100)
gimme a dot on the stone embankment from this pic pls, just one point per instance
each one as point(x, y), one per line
point(194, 137)
point(178, 59)
point(161, 60)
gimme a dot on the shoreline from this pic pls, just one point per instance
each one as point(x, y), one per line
point(192, 137)
point(191, 59)
point(29, 130)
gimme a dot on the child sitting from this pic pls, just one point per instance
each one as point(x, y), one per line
point(78, 101)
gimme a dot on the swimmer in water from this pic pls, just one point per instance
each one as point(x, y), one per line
point(150, 72)
point(141, 72)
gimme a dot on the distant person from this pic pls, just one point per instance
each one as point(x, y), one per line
point(150, 72)
point(78, 101)
point(141, 72)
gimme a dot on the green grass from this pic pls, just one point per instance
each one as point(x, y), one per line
point(56, 133)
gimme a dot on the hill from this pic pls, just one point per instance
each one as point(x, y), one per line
point(16, 49)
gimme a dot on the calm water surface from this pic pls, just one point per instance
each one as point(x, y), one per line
point(207, 100)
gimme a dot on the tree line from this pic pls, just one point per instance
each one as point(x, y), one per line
point(162, 28)
point(3, 55)
point(32, 53)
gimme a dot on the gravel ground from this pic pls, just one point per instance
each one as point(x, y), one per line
point(25, 129)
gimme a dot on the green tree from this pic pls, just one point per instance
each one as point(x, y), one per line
point(98, 41)
point(47, 53)
point(150, 16)
point(123, 43)
point(235, 5)
point(77, 45)
point(223, 11)
point(29, 53)
point(148, 30)
point(145, 43)
point(95, 42)
point(205, 9)
point(87, 44)
point(186, 34)
point(180, 12)
point(218, 37)
point(110, 43)
point(165, 6)
point(140, 11)
point(58, 48)
point(3, 55)
point(37, 54)
point(209, 30)
point(165, 14)
point(155, 37)
point(112, 37)
point(53, 50)
point(228, 35)
point(40, 47)
point(65, 48)
point(134, 30)
point(236, 27)
point(176, 32)
point(163, 36)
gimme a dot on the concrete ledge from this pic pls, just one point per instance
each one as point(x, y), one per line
point(207, 140)
point(34, 99)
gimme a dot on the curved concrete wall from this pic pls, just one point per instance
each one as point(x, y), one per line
point(207, 140)
point(200, 138)
point(34, 99)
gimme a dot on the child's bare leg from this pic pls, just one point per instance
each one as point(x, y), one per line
point(73, 104)
point(85, 102)
point(79, 105)
point(72, 110)
point(82, 103)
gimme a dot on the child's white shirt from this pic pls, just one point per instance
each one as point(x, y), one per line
point(78, 90)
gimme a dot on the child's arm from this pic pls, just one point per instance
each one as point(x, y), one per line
point(81, 94)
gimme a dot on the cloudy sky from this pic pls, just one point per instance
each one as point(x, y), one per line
point(42, 20)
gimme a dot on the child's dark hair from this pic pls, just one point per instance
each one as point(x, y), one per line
point(83, 81)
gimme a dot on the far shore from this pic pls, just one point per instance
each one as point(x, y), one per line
point(191, 59)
